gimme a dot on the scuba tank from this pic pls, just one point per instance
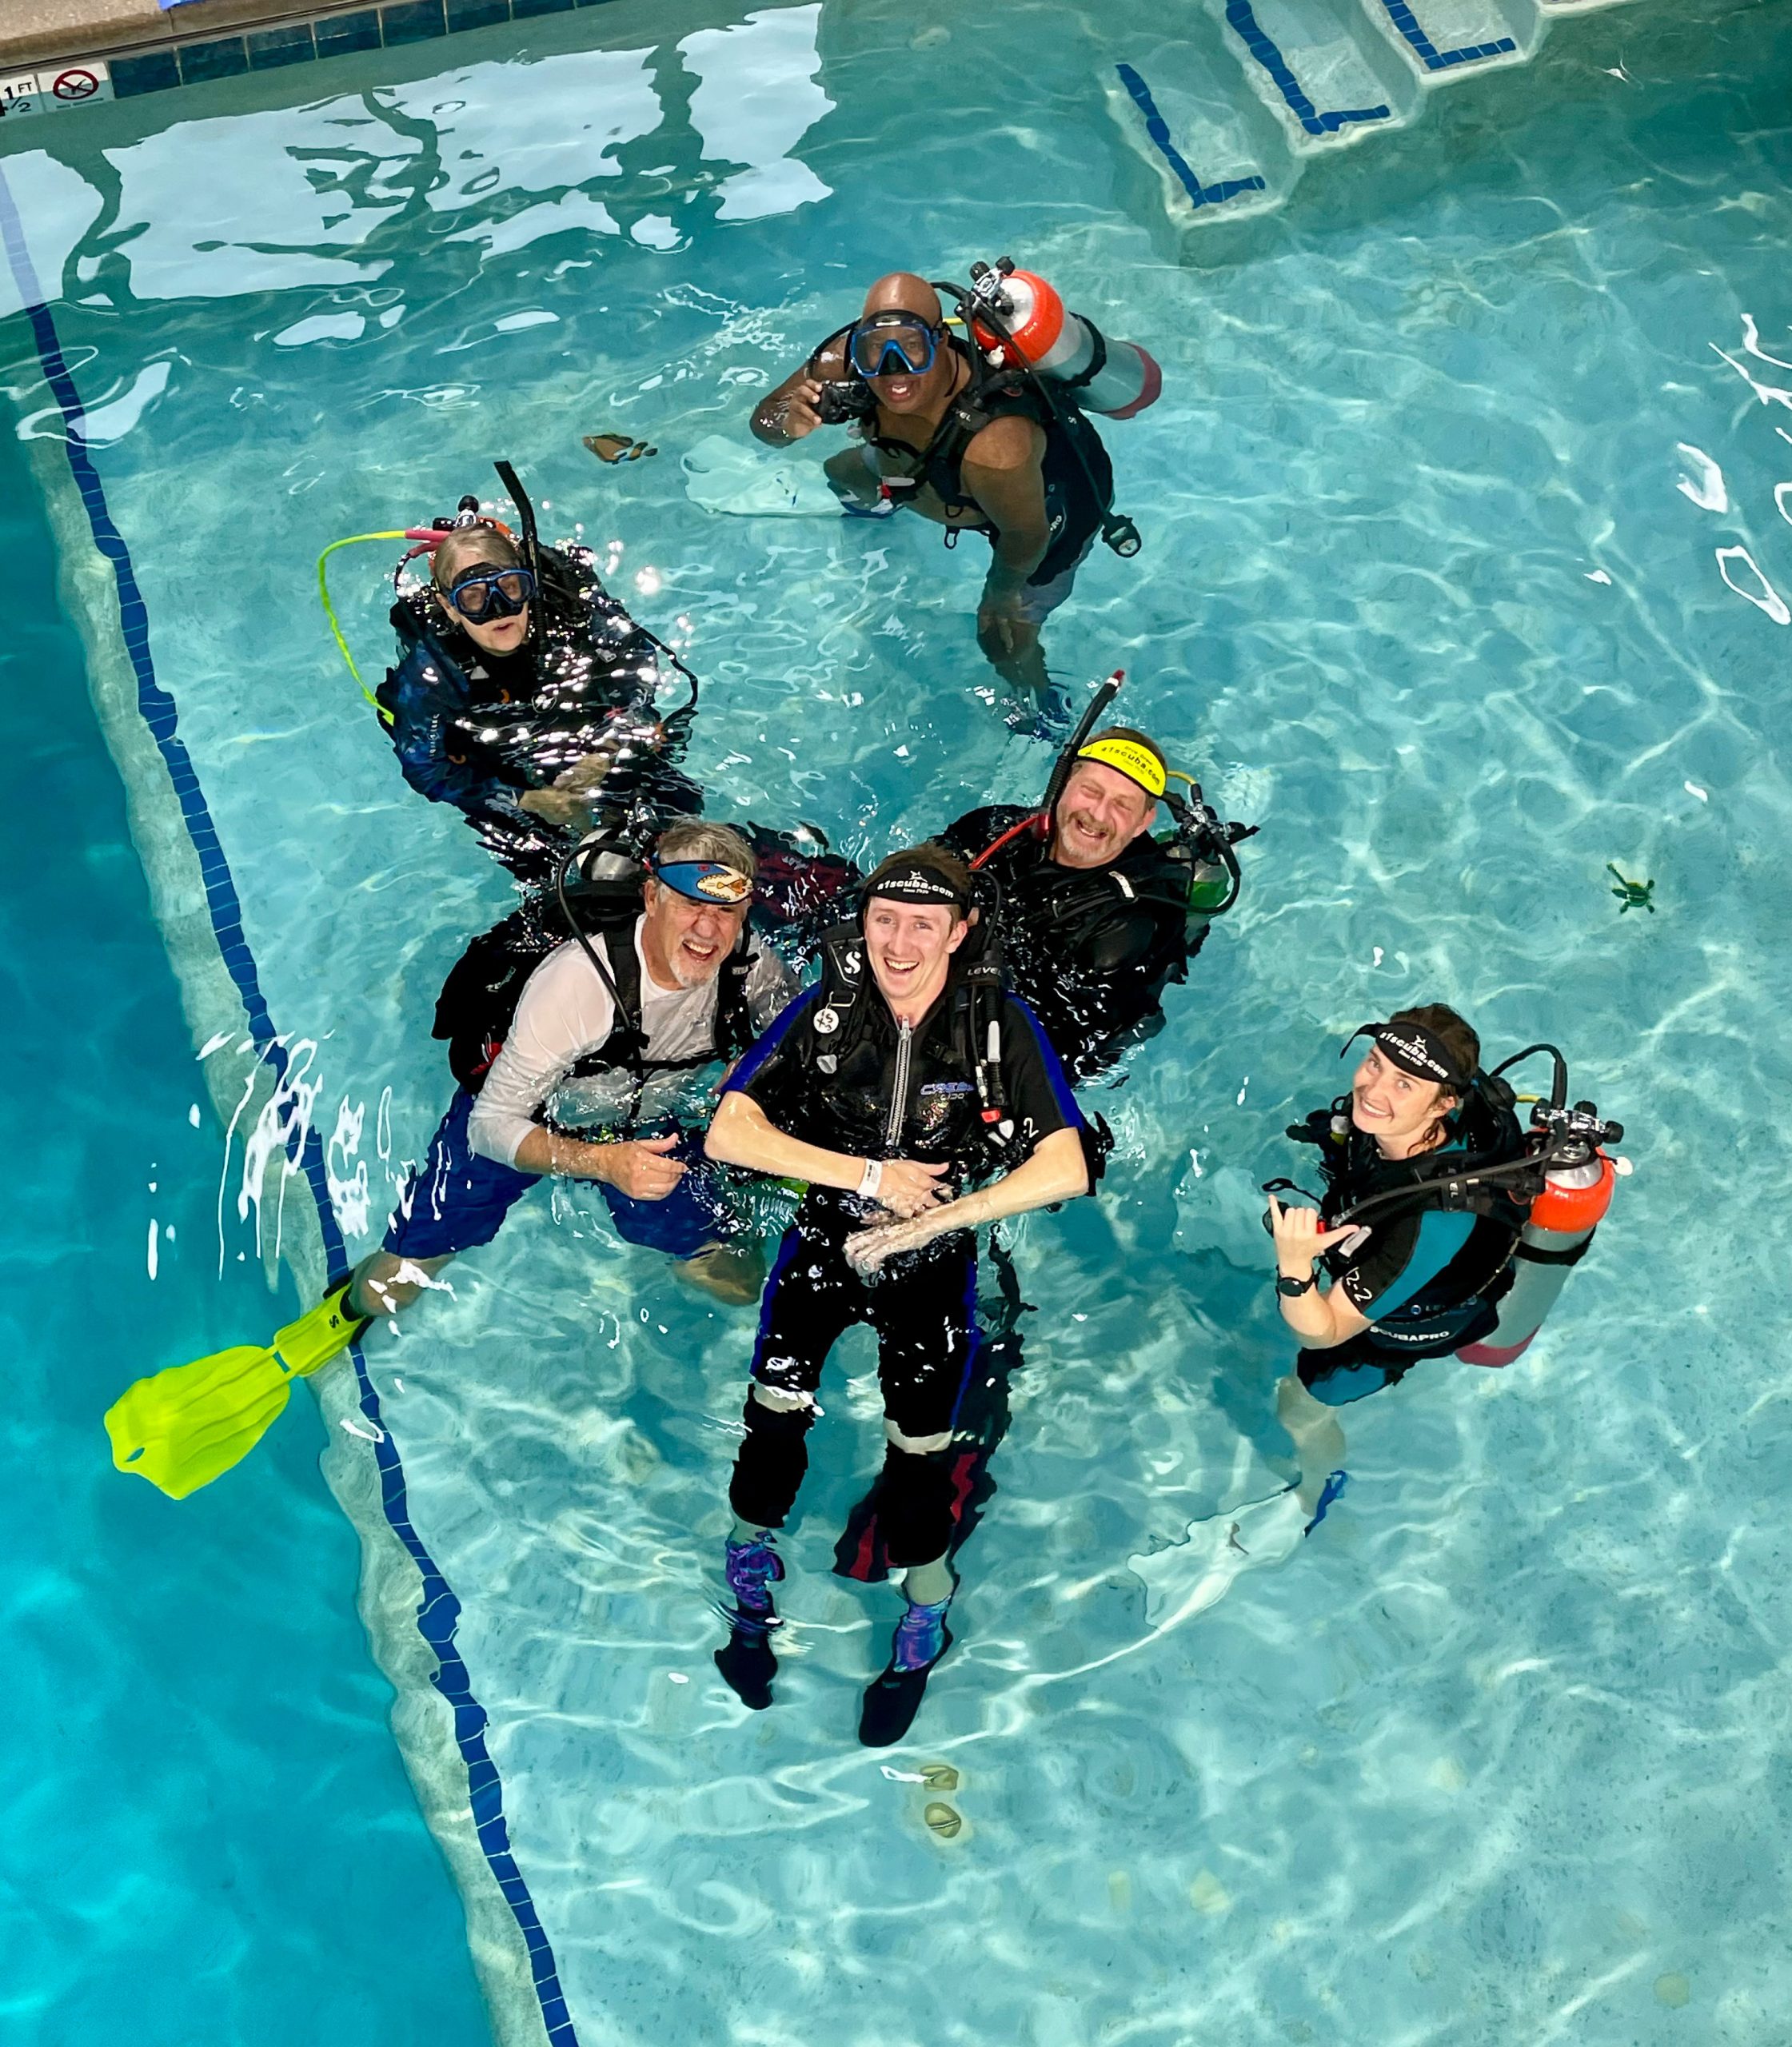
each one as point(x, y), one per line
point(1117, 379)
point(1576, 1194)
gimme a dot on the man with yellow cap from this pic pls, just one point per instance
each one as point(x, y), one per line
point(1096, 915)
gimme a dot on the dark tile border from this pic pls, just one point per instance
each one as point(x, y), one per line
point(291, 43)
point(226, 57)
point(396, 25)
point(438, 1612)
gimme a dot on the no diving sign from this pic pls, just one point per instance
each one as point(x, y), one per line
point(78, 82)
point(46, 92)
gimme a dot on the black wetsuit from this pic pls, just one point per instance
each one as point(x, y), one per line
point(1078, 479)
point(1089, 949)
point(883, 1097)
point(478, 730)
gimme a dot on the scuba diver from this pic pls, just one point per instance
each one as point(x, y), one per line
point(618, 1031)
point(1096, 917)
point(906, 1078)
point(1445, 1227)
point(985, 431)
point(523, 689)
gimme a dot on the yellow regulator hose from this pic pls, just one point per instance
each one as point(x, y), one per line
point(352, 540)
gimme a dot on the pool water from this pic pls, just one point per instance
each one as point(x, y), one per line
point(205, 1808)
point(1441, 508)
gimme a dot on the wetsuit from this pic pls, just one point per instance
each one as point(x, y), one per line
point(477, 730)
point(564, 1063)
point(1429, 1282)
point(1090, 949)
point(1078, 479)
point(886, 1095)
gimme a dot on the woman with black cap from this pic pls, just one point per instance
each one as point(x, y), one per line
point(1419, 1280)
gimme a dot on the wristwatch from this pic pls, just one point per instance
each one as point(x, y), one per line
point(1293, 1289)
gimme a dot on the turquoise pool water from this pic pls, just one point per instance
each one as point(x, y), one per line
point(1499, 1754)
point(205, 1808)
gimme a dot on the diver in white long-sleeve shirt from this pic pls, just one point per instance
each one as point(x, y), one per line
point(621, 1032)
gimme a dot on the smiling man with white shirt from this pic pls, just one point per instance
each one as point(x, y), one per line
point(619, 1032)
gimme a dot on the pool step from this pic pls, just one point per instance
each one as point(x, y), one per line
point(1229, 112)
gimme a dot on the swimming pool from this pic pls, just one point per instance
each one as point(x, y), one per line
point(1495, 1757)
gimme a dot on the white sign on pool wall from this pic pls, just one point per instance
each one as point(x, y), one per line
point(48, 92)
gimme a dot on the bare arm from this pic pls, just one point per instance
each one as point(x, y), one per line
point(1056, 1170)
point(741, 1134)
point(637, 1167)
point(1003, 472)
point(1322, 1321)
point(787, 412)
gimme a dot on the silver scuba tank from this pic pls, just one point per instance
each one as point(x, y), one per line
point(1563, 1218)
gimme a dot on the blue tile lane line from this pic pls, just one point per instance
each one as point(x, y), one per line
point(1158, 128)
point(438, 1612)
point(1404, 19)
point(1238, 15)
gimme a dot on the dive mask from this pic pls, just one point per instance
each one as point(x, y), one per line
point(704, 881)
point(485, 590)
point(892, 345)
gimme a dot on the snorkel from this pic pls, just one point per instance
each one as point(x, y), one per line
point(1039, 820)
point(425, 540)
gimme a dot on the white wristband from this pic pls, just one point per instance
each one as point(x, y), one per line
point(871, 1179)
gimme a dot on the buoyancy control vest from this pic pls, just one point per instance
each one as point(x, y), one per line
point(936, 1094)
point(1539, 1195)
point(1090, 949)
point(1077, 478)
point(478, 1000)
point(1484, 1134)
point(585, 660)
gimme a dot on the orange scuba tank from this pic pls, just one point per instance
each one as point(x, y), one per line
point(1116, 379)
point(1563, 1218)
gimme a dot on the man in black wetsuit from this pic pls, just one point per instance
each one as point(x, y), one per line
point(881, 1089)
point(1097, 916)
point(520, 692)
point(967, 446)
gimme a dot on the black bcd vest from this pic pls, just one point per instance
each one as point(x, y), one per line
point(478, 1000)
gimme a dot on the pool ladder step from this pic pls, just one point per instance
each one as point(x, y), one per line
point(1229, 112)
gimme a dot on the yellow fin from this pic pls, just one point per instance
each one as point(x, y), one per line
point(182, 1427)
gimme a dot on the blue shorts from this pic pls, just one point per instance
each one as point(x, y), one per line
point(457, 1199)
point(694, 1216)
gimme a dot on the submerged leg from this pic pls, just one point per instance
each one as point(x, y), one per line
point(1319, 1439)
point(918, 1500)
point(768, 1472)
point(385, 1285)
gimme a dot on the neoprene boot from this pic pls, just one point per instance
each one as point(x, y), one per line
point(893, 1699)
point(745, 1659)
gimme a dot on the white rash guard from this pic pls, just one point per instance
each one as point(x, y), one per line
point(566, 1012)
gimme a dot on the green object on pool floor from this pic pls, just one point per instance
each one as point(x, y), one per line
point(1632, 895)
